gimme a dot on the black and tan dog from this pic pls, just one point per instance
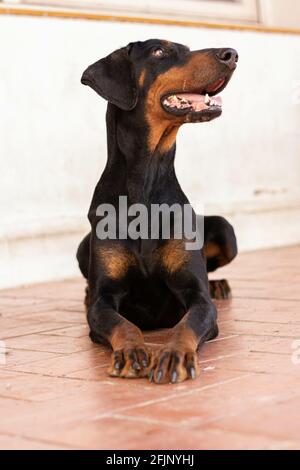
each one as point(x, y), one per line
point(152, 88)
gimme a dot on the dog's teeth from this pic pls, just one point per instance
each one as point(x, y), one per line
point(207, 99)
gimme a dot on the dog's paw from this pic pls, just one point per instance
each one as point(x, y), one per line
point(130, 362)
point(220, 290)
point(173, 365)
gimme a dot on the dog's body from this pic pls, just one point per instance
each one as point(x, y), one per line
point(136, 284)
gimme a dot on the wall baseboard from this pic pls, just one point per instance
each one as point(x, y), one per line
point(51, 255)
point(267, 228)
point(39, 258)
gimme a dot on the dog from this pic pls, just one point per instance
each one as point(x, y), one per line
point(152, 88)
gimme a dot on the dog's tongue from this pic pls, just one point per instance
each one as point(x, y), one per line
point(217, 100)
point(194, 98)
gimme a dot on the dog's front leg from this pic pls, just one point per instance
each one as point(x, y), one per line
point(177, 360)
point(130, 357)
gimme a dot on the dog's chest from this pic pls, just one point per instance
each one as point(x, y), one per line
point(148, 301)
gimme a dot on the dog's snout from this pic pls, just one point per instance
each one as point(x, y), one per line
point(228, 57)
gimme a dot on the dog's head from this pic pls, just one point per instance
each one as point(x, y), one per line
point(166, 81)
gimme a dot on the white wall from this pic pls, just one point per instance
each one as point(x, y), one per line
point(280, 13)
point(52, 139)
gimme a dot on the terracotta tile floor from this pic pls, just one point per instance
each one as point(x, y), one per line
point(55, 394)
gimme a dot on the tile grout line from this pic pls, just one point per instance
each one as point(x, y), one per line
point(170, 397)
point(38, 440)
point(29, 334)
point(247, 297)
point(188, 423)
point(238, 320)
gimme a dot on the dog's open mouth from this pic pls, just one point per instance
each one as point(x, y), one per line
point(197, 105)
point(193, 102)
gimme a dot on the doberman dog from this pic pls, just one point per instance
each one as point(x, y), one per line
point(152, 88)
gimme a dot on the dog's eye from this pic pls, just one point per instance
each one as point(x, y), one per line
point(158, 52)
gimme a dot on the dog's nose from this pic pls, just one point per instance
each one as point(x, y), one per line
point(228, 57)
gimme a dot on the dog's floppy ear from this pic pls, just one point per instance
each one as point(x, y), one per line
point(113, 78)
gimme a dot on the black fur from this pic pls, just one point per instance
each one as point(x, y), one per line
point(148, 295)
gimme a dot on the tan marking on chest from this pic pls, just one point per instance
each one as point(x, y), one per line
point(173, 255)
point(116, 261)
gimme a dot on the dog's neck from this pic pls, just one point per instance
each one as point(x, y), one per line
point(139, 155)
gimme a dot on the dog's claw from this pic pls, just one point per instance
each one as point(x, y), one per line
point(192, 373)
point(173, 365)
point(159, 376)
point(136, 366)
point(174, 377)
point(220, 290)
point(128, 363)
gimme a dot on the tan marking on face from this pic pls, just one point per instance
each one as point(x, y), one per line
point(116, 261)
point(173, 255)
point(168, 139)
point(162, 135)
point(163, 127)
point(142, 78)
